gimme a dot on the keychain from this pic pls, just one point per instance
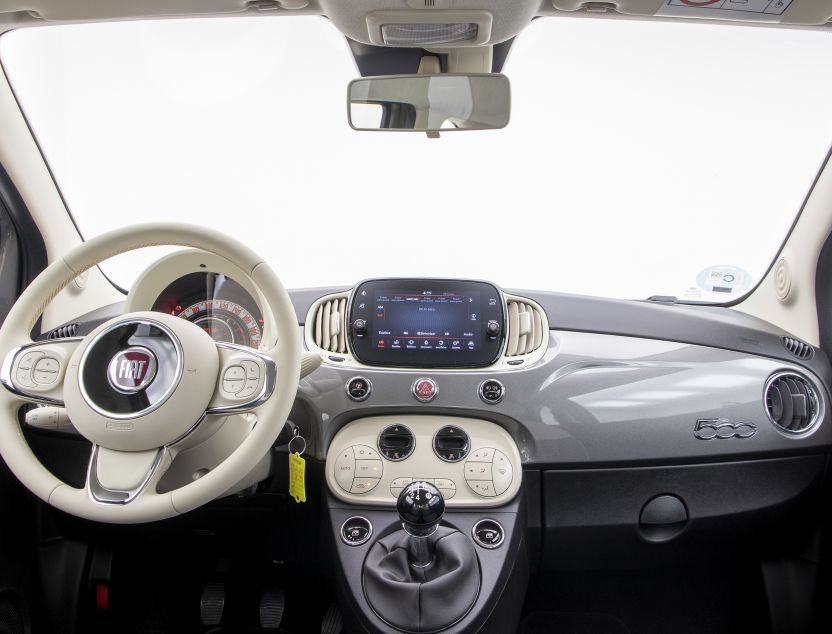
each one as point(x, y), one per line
point(297, 470)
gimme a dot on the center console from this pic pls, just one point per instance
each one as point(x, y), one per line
point(427, 524)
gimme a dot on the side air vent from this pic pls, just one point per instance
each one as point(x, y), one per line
point(329, 329)
point(798, 348)
point(63, 332)
point(525, 332)
point(792, 402)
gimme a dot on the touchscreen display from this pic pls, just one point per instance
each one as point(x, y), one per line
point(427, 320)
point(426, 323)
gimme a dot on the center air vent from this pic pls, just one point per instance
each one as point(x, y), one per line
point(525, 329)
point(396, 442)
point(798, 348)
point(792, 402)
point(330, 325)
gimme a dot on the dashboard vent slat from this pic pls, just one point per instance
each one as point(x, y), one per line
point(525, 329)
point(330, 326)
point(63, 332)
point(798, 348)
point(792, 402)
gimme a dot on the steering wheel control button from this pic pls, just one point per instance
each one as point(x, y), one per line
point(396, 442)
point(359, 327)
point(488, 533)
point(451, 443)
point(234, 379)
point(46, 370)
point(501, 473)
point(359, 388)
point(425, 390)
point(363, 485)
point(491, 391)
point(252, 370)
point(345, 469)
point(356, 531)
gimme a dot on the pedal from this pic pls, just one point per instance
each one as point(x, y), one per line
point(212, 602)
point(272, 604)
point(333, 622)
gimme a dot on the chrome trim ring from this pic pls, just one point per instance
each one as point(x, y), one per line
point(821, 404)
point(488, 546)
point(180, 365)
point(422, 399)
point(409, 453)
point(363, 541)
point(464, 454)
point(502, 391)
point(369, 389)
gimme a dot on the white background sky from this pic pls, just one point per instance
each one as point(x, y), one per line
point(638, 154)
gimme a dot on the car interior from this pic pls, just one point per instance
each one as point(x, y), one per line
point(273, 360)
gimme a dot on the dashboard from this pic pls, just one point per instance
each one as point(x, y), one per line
point(586, 408)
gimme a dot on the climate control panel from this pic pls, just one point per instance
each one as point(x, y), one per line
point(472, 461)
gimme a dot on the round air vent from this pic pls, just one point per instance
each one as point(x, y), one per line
point(396, 442)
point(792, 402)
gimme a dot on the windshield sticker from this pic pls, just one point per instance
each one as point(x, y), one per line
point(724, 279)
point(764, 10)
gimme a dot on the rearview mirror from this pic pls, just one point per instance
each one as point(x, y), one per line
point(430, 103)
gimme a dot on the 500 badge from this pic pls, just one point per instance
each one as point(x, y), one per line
point(722, 429)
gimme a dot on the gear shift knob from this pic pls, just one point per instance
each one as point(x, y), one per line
point(420, 506)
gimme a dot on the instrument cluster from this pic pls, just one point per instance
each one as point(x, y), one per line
point(215, 303)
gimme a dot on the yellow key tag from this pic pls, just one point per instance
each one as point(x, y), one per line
point(297, 474)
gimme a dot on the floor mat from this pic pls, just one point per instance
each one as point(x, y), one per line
point(572, 623)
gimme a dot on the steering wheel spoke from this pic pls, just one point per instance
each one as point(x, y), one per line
point(246, 379)
point(119, 477)
point(35, 372)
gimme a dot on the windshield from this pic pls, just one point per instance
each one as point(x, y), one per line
point(642, 158)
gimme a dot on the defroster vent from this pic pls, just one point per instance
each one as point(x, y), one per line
point(798, 348)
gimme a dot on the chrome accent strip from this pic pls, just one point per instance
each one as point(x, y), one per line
point(8, 364)
point(180, 365)
point(268, 384)
point(102, 495)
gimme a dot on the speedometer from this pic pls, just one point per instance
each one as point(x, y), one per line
point(224, 321)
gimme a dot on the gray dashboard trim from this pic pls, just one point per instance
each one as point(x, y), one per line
point(711, 326)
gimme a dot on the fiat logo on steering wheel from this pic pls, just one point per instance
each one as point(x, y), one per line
point(132, 370)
